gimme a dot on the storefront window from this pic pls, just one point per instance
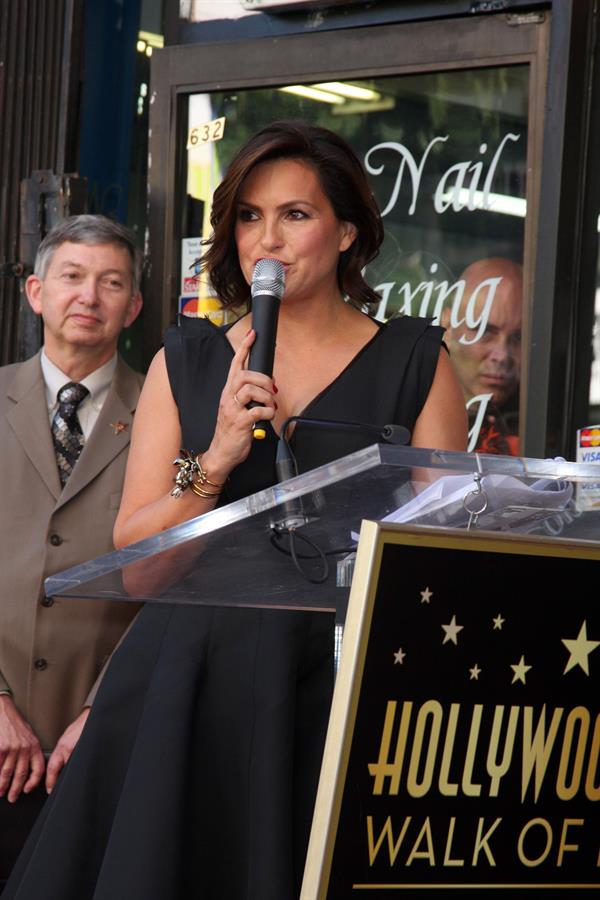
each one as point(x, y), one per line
point(446, 155)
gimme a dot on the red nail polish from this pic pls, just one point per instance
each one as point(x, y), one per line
point(275, 389)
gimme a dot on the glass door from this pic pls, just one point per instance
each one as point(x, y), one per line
point(449, 147)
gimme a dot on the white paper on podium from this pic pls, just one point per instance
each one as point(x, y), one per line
point(509, 503)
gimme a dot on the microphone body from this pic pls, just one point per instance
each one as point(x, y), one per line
point(268, 284)
point(265, 315)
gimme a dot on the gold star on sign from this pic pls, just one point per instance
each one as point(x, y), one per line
point(498, 622)
point(579, 648)
point(426, 595)
point(520, 670)
point(452, 631)
point(475, 673)
point(399, 656)
point(118, 427)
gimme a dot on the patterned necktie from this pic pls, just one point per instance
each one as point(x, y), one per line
point(66, 430)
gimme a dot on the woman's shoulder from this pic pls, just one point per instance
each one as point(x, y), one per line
point(195, 332)
point(403, 334)
point(194, 345)
point(194, 327)
point(413, 326)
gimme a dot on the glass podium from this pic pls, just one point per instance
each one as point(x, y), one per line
point(463, 744)
point(293, 546)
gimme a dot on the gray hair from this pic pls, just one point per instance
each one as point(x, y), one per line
point(89, 229)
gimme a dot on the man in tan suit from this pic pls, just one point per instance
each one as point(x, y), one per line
point(86, 288)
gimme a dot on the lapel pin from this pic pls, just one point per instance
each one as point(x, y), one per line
point(119, 426)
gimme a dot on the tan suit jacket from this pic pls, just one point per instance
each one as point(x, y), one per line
point(51, 655)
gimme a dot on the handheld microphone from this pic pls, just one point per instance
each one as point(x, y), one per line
point(268, 284)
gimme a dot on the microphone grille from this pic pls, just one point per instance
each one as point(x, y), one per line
point(268, 278)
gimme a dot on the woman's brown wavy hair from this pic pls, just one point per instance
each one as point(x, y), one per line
point(343, 180)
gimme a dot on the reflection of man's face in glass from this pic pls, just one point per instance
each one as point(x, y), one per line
point(492, 364)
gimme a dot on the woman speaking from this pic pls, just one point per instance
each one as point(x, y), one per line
point(196, 774)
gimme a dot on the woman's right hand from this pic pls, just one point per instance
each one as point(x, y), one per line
point(233, 435)
point(147, 506)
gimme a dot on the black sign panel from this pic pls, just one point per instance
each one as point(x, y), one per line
point(464, 743)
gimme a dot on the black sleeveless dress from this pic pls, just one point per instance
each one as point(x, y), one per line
point(196, 773)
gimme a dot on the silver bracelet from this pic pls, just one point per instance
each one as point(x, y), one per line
point(188, 468)
point(191, 474)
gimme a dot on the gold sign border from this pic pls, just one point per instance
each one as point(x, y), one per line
point(374, 536)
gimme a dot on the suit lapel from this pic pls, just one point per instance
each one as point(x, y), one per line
point(110, 435)
point(30, 422)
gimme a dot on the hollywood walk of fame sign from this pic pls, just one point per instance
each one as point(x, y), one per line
point(463, 752)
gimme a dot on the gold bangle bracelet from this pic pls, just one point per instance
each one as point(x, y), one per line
point(200, 492)
point(203, 474)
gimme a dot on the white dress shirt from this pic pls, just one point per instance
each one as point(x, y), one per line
point(98, 385)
